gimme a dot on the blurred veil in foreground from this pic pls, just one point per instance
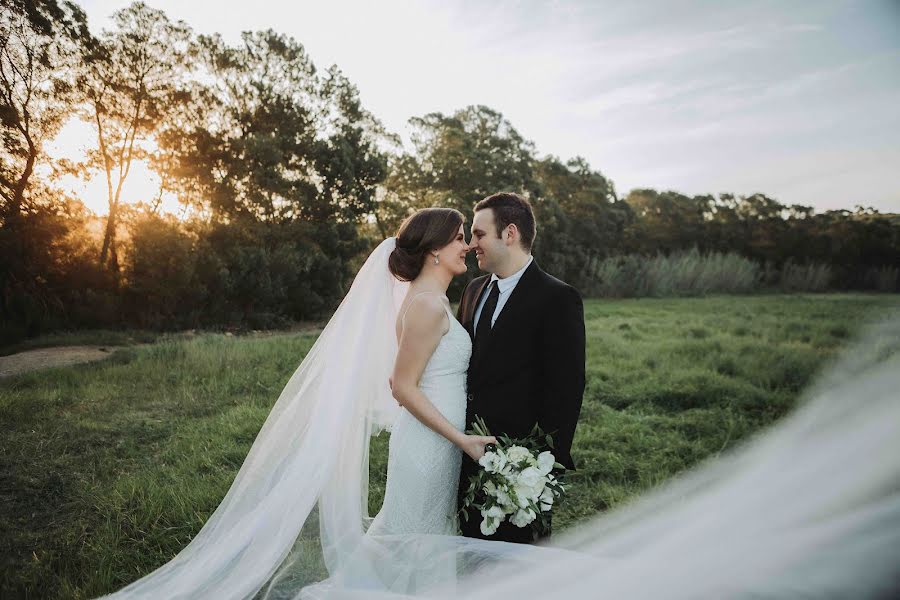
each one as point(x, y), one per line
point(808, 508)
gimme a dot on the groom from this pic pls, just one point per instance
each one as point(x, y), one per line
point(527, 332)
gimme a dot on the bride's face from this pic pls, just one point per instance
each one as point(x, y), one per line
point(453, 255)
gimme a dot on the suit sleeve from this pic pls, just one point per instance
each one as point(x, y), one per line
point(465, 300)
point(462, 303)
point(563, 348)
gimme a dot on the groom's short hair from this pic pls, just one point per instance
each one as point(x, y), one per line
point(512, 208)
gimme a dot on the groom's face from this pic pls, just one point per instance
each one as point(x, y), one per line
point(490, 249)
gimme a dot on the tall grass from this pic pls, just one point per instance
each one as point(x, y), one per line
point(883, 279)
point(688, 273)
point(695, 273)
point(811, 277)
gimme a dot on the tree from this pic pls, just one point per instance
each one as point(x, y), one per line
point(666, 221)
point(40, 43)
point(272, 140)
point(460, 159)
point(580, 219)
point(127, 86)
point(349, 160)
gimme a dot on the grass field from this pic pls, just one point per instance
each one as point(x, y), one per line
point(108, 469)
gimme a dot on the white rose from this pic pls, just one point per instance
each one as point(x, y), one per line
point(489, 526)
point(522, 496)
point(545, 462)
point(491, 520)
point(505, 500)
point(486, 461)
point(494, 512)
point(490, 489)
point(516, 454)
point(522, 517)
point(532, 480)
point(493, 462)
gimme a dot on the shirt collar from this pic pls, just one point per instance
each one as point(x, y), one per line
point(508, 283)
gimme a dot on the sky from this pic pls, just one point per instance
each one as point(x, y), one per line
point(797, 100)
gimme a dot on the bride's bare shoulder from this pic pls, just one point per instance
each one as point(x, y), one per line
point(425, 311)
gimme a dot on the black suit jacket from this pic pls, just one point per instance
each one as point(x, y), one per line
point(531, 368)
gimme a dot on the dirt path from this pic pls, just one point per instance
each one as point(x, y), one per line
point(43, 358)
point(63, 356)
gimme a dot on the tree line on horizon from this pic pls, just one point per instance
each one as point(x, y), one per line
point(286, 181)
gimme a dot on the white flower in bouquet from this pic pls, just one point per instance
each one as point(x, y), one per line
point(545, 462)
point(505, 499)
point(522, 517)
point(493, 462)
point(531, 482)
point(517, 454)
point(491, 520)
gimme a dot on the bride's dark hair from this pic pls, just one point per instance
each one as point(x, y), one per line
point(425, 230)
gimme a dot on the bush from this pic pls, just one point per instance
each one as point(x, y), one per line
point(160, 273)
point(263, 274)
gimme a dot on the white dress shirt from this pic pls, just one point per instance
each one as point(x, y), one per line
point(506, 285)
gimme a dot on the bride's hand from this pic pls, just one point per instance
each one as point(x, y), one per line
point(474, 445)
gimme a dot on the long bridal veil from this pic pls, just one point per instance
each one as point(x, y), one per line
point(311, 451)
point(809, 508)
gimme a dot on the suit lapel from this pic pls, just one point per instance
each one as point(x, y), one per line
point(469, 323)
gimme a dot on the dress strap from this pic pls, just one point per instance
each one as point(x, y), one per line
point(411, 300)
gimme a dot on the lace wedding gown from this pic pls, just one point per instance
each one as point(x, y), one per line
point(409, 547)
point(423, 466)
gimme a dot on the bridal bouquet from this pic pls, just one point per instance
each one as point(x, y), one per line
point(516, 482)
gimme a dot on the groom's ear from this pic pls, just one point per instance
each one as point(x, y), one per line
point(512, 234)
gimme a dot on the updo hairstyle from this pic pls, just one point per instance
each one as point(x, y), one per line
point(425, 230)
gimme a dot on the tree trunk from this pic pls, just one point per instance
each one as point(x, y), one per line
point(14, 206)
point(109, 236)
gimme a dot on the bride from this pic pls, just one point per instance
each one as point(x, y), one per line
point(811, 509)
point(429, 380)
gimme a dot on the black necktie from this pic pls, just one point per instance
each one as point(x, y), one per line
point(483, 329)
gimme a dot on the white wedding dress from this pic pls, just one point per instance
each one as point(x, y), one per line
point(409, 547)
point(423, 466)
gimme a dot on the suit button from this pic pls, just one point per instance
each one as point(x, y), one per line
point(469, 397)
